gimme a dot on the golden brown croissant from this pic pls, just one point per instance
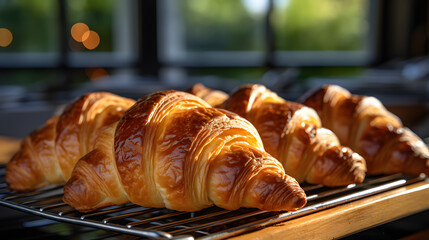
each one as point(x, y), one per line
point(48, 155)
point(171, 149)
point(213, 97)
point(364, 124)
point(292, 133)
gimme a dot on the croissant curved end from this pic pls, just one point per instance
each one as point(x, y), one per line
point(287, 195)
point(85, 190)
point(274, 193)
point(79, 194)
point(81, 197)
point(22, 174)
point(21, 179)
point(245, 176)
point(338, 166)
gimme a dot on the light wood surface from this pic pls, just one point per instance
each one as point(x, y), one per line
point(351, 217)
point(8, 147)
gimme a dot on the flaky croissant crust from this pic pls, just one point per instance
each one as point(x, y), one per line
point(292, 133)
point(364, 124)
point(171, 149)
point(48, 155)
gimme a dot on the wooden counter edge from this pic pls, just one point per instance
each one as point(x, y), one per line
point(351, 217)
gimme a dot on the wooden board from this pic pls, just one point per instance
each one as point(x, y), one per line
point(351, 217)
point(8, 147)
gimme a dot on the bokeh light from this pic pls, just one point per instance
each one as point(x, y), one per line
point(91, 40)
point(5, 37)
point(78, 31)
point(96, 73)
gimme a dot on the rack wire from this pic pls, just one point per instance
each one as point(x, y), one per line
point(210, 223)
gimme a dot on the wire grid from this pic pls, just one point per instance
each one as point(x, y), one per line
point(210, 223)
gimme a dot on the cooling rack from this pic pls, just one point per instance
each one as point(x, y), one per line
point(210, 223)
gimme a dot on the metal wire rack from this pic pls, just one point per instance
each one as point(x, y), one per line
point(210, 223)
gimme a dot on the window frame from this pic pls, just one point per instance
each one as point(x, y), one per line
point(65, 58)
point(270, 57)
point(150, 59)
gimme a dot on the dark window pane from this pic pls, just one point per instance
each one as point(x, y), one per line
point(31, 79)
point(103, 26)
point(97, 15)
point(236, 74)
point(32, 23)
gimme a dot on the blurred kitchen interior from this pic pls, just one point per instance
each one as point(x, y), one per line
point(54, 50)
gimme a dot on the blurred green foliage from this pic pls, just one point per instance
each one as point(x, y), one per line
point(221, 25)
point(241, 74)
point(228, 25)
point(98, 15)
point(208, 25)
point(298, 25)
point(320, 25)
point(33, 24)
point(28, 77)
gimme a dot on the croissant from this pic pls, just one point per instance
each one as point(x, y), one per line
point(292, 133)
point(47, 156)
point(171, 149)
point(213, 97)
point(364, 124)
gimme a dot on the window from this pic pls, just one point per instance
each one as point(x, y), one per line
point(250, 32)
point(113, 32)
point(33, 32)
point(328, 32)
point(43, 50)
point(225, 38)
point(210, 33)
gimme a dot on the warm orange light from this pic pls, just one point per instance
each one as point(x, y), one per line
point(78, 30)
point(96, 73)
point(5, 37)
point(91, 40)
